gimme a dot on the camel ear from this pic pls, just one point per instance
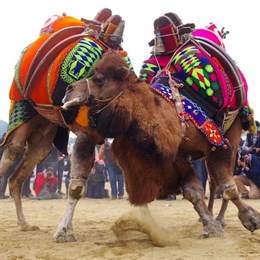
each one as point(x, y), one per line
point(122, 73)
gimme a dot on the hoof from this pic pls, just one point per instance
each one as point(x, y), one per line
point(29, 228)
point(222, 222)
point(71, 238)
point(64, 236)
point(213, 230)
point(250, 218)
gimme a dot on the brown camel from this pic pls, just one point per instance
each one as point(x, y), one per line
point(152, 145)
point(65, 51)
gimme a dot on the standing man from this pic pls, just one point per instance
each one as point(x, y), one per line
point(116, 176)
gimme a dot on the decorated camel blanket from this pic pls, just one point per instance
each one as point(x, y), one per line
point(73, 62)
point(73, 58)
point(211, 98)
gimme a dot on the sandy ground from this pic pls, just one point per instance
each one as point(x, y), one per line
point(92, 222)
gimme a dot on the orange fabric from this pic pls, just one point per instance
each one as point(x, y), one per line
point(82, 117)
point(40, 95)
point(66, 21)
point(14, 93)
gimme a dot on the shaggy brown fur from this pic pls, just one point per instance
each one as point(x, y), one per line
point(148, 140)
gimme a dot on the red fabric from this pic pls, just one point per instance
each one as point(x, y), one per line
point(40, 181)
point(169, 39)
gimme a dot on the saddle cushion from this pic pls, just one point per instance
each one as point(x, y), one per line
point(73, 63)
point(28, 54)
point(202, 74)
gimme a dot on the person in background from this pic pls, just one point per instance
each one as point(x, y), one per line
point(26, 190)
point(248, 180)
point(45, 185)
point(60, 169)
point(51, 160)
point(67, 168)
point(96, 181)
point(201, 172)
point(252, 142)
point(116, 176)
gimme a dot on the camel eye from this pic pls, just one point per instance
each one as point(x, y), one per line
point(98, 80)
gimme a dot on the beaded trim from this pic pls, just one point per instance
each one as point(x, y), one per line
point(191, 110)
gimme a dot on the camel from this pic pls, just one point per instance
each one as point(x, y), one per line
point(65, 51)
point(151, 145)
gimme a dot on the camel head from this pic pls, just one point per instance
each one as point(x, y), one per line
point(107, 82)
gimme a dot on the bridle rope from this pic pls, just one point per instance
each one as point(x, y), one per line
point(109, 100)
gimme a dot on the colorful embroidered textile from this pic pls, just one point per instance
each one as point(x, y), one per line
point(21, 112)
point(194, 112)
point(200, 72)
point(73, 63)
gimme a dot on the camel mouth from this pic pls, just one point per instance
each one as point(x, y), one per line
point(73, 102)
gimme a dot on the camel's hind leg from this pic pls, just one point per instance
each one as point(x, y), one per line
point(193, 192)
point(221, 215)
point(221, 165)
point(13, 148)
point(38, 145)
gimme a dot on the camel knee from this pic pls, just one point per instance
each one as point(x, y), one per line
point(13, 151)
point(230, 191)
point(77, 188)
point(193, 194)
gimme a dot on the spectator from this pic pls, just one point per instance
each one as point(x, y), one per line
point(60, 166)
point(116, 176)
point(50, 161)
point(201, 172)
point(67, 168)
point(26, 190)
point(45, 184)
point(248, 181)
point(252, 142)
point(96, 181)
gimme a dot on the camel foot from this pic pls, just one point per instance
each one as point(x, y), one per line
point(64, 235)
point(221, 221)
point(29, 228)
point(249, 218)
point(213, 229)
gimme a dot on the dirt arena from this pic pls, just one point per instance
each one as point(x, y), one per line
point(93, 219)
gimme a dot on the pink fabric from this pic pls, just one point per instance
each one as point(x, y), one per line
point(212, 33)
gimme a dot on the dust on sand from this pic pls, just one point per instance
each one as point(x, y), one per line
point(94, 218)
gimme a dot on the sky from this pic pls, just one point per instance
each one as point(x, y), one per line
point(21, 20)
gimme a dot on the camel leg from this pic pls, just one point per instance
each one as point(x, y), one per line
point(249, 217)
point(212, 190)
point(193, 192)
point(222, 170)
point(81, 164)
point(13, 148)
point(221, 215)
point(38, 147)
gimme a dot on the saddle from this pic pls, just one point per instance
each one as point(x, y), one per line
point(210, 72)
